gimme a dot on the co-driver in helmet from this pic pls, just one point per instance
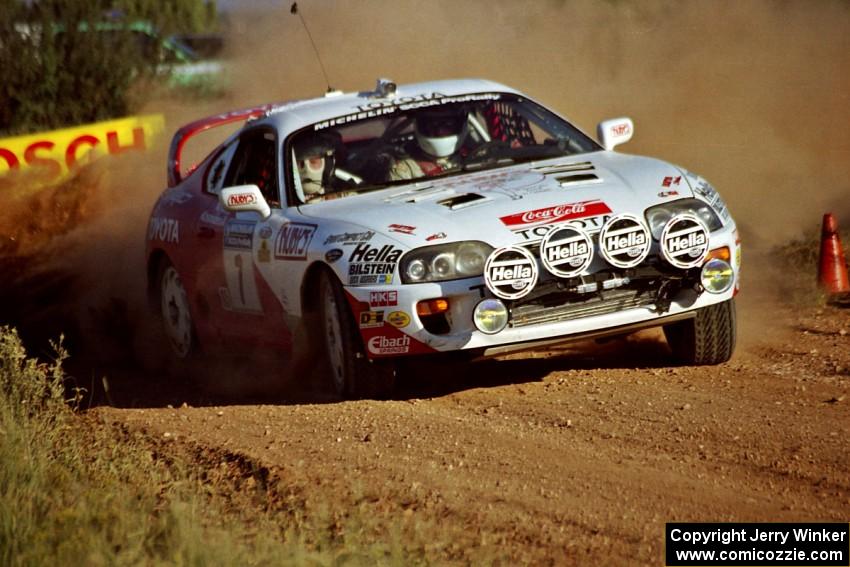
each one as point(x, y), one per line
point(314, 160)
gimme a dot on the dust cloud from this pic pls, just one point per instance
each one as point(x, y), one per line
point(754, 96)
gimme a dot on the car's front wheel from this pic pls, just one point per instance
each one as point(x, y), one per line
point(352, 374)
point(708, 338)
point(174, 312)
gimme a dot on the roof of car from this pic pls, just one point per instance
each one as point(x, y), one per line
point(294, 115)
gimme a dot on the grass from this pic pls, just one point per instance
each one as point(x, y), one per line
point(74, 491)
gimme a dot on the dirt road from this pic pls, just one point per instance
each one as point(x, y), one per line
point(577, 456)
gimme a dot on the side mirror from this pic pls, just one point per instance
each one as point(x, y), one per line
point(245, 198)
point(614, 132)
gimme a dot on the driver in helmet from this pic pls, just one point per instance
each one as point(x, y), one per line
point(314, 161)
point(440, 134)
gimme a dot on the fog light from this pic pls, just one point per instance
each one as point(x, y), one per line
point(490, 316)
point(717, 276)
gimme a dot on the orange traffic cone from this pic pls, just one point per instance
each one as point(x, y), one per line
point(832, 268)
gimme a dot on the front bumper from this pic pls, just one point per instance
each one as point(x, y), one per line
point(650, 295)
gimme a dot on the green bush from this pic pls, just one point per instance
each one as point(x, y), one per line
point(57, 73)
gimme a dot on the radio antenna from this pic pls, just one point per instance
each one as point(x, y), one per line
point(294, 10)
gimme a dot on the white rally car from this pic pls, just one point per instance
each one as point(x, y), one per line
point(452, 216)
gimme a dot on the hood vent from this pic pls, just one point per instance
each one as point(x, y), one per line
point(461, 201)
point(571, 173)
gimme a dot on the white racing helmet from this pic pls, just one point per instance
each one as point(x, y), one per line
point(440, 132)
point(314, 160)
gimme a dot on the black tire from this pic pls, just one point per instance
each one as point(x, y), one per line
point(709, 338)
point(351, 374)
point(174, 313)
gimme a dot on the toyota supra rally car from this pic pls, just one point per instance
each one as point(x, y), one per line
point(356, 229)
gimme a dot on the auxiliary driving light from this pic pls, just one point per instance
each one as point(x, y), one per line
point(490, 316)
point(717, 276)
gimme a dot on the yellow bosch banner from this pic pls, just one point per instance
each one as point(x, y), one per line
point(49, 156)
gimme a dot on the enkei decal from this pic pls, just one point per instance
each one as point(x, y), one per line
point(350, 237)
point(437, 236)
point(383, 298)
point(369, 319)
point(566, 251)
point(510, 272)
point(398, 319)
point(293, 240)
point(402, 228)
point(624, 241)
point(333, 255)
point(164, 229)
point(684, 241)
point(389, 345)
point(239, 199)
point(558, 213)
point(239, 235)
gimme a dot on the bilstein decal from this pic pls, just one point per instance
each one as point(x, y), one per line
point(684, 241)
point(510, 272)
point(566, 251)
point(624, 241)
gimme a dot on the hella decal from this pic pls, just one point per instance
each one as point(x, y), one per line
point(558, 213)
point(566, 251)
point(624, 241)
point(684, 241)
point(389, 345)
point(292, 241)
point(510, 272)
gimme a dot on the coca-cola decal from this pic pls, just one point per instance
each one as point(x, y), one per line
point(566, 251)
point(510, 272)
point(684, 241)
point(558, 213)
point(624, 241)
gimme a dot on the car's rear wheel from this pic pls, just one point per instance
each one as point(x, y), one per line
point(175, 314)
point(352, 374)
point(708, 338)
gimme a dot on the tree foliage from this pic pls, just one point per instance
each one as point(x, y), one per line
point(69, 62)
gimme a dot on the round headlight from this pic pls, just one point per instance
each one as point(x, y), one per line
point(490, 316)
point(657, 218)
point(470, 259)
point(443, 264)
point(416, 270)
point(717, 276)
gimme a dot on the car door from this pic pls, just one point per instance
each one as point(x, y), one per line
point(248, 310)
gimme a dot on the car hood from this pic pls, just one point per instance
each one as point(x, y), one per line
point(497, 206)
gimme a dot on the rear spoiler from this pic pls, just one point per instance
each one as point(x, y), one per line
point(182, 135)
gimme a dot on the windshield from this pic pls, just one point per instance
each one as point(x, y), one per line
point(434, 138)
